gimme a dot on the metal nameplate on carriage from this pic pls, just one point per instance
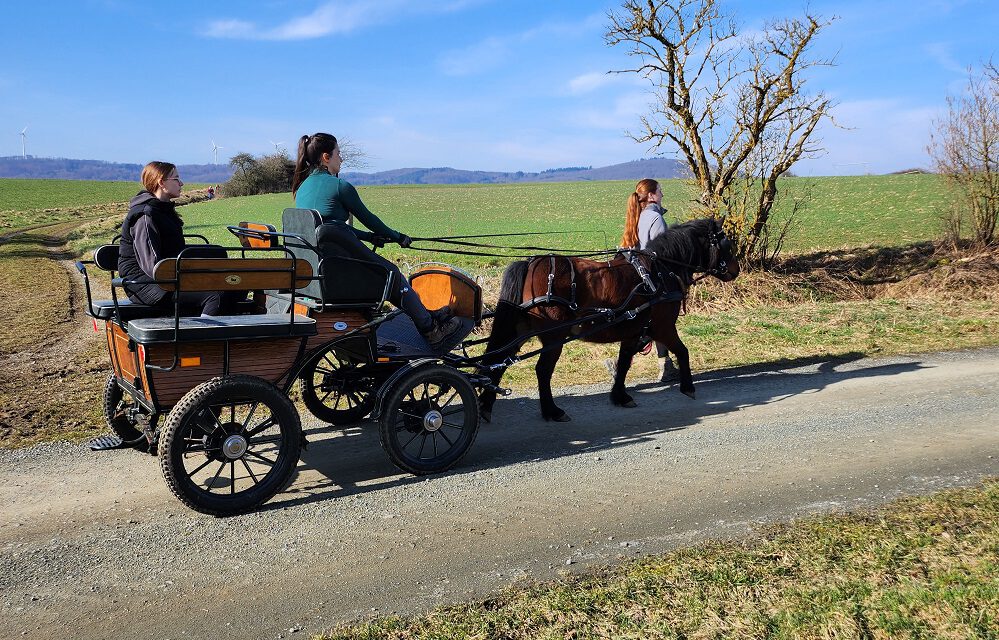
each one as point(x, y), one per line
point(233, 279)
point(340, 326)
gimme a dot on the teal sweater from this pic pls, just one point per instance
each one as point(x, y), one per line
point(335, 199)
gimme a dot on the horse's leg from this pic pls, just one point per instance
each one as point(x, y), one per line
point(545, 368)
point(625, 356)
point(664, 330)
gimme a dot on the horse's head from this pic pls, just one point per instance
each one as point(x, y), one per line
point(722, 262)
point(699, 246)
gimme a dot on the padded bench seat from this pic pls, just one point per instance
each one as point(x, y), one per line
point(104, 310)
point(150, 330)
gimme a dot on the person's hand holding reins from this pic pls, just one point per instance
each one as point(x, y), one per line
point(404, 241)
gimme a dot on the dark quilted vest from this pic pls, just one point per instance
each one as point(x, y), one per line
point(171, 234)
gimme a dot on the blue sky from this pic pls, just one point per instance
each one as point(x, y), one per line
point(474, 84)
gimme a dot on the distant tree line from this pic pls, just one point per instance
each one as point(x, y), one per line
point(254, 176)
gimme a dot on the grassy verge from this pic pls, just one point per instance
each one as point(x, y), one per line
point(919, 568)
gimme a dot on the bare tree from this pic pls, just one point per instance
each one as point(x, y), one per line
point(354, 157)
point(965, 150)
point(734, 106)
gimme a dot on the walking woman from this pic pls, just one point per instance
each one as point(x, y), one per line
point(316, 185)
point(643, 221)
point(153, 231)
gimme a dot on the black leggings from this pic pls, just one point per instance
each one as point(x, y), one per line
point(401, 295)
point(205, 303)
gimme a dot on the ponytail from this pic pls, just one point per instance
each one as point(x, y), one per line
point(636, 202)
point(310, 155)
point(630, 237)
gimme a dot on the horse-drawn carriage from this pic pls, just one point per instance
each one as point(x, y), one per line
point(209, 395)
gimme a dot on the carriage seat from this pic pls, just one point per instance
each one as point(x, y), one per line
point(203, 328)
point(106, 258)
point(226, 274)
point(344, 282)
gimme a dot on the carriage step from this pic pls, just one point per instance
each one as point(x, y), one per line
point(107, 443)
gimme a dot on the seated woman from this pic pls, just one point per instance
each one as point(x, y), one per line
point(152, 231)
point(316, 185)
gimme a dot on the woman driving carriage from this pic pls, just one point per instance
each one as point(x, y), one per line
point(152, 231)
point(643, 222)
point(316, 185)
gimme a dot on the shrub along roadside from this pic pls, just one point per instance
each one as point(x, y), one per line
point(920, 567)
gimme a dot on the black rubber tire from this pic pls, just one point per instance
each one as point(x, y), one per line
point(225, 410)
point(335, 390)
point(115, 414)
point(408, 406)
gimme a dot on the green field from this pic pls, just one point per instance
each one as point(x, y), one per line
point(843, 211)
point(27, 195)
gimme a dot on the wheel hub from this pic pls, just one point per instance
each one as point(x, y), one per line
point(234, 447)
point(433, 420)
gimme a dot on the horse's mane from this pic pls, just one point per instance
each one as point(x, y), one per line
point(682, 242)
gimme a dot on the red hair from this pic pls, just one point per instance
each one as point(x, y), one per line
point(636, 202)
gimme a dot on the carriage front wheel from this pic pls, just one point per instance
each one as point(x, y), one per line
point(429, 420)
point(230, 444)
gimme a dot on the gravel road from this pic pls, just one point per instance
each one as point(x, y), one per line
point(92, 545)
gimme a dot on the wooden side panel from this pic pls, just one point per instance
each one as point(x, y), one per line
point(255, 243)
point(333, 324)
point(125, 361)
point(440, 285)
point(170, 386)
point(269, 360)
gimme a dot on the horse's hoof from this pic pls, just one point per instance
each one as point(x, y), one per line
point(689, 394)
point(562, 417)
point(627, 404)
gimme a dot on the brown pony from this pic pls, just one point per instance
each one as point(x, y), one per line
point(558, 297)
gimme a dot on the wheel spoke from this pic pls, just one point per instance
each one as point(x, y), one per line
point(449, 400)
point(216, 477)
point(267, 440)
point(249, 471)
point(261, 458)
point(444, 435)
point(232, 477)
point(207, 462)
point(269, 422)
point(250, 415)
point(453, 425)
point(408, 442)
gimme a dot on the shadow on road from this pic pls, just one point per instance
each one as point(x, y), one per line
point(350, 460)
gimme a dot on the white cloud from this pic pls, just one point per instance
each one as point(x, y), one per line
point(497, 50)
point(332, 17)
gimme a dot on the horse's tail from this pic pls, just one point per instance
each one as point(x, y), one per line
point(512, 285)
point(508, 313)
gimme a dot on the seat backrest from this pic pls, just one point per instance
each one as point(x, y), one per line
point(231, 274)
point(303, 223)
point(441, 284)
point(343, 279)
point(258, 242)
point(106, 257)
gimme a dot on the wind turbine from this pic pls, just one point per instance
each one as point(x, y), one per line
point(277, 145)
point(24, 136)
point(215, 151)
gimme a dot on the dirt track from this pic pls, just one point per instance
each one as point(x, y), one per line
point(95, 543)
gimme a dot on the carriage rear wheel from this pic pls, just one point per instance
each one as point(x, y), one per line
point(230, 444)
point(116, 414)
point(430, 419)
point(336, 389)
